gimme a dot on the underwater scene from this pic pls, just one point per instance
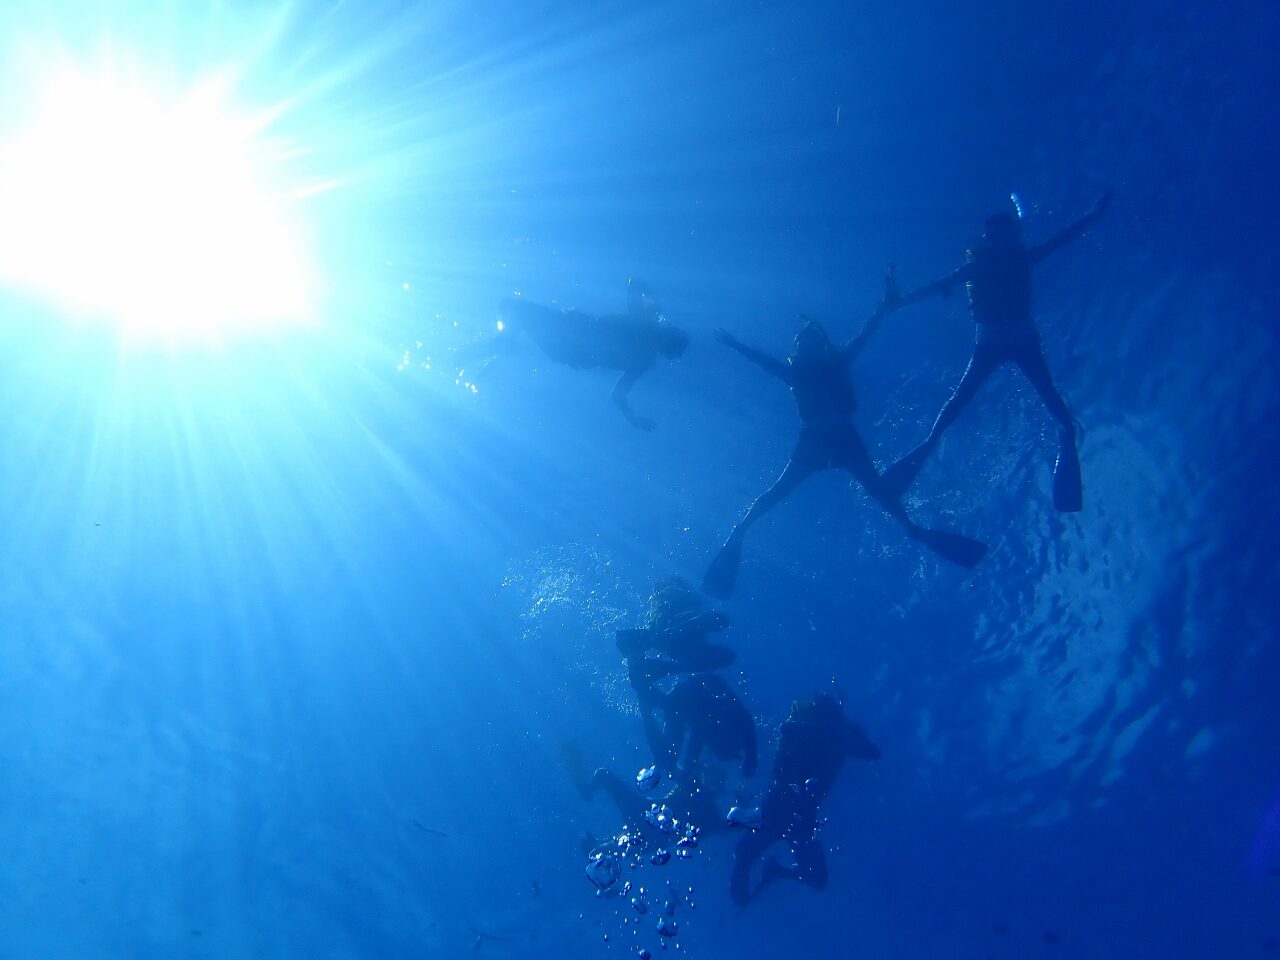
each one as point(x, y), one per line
point(628, 480)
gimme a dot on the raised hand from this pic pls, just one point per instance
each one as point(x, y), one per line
point(892, 299)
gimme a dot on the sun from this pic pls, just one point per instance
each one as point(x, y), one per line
point(162, 211)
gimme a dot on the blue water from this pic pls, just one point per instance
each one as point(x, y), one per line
point(292, 632)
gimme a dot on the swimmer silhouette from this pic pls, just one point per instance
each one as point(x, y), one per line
point(997, 277)
point(813, 744)
point(629, 343)
point(817, 371)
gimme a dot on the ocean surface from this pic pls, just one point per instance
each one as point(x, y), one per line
point(295, 628)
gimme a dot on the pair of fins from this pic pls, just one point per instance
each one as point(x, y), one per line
point(722, 575)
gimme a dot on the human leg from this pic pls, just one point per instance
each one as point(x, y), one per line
point(722, 575)
point(902, 474)
point(1068, 487)
point(951, 546)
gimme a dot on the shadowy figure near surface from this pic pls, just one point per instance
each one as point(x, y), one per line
point(997, 278)
point(630, 343)
point(813, 744)
point(703, 712)
point(818, 374)
point(674, 641)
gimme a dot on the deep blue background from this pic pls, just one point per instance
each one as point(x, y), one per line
point(267, 612)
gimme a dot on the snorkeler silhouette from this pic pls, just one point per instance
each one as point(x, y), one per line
point(674, 641)
point(813, 744)
point(818, 374)
point(997, 277)
point(630, 343)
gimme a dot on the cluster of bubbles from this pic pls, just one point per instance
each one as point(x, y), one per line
point(635, 847)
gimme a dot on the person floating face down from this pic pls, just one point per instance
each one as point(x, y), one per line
point(675, 641)
point(818, 374)
point(813, 744)
point(629, 343)
point(997, 278)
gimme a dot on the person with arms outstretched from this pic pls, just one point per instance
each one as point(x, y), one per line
point(813, 744)
point(817, 372)
point(629, 343)
point(997, 278)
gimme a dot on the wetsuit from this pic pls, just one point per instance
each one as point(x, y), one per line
point(706, 710)
point(669, 645)
point(822, 387)
point(997, 279)
point(810, 755)
point(998, 283)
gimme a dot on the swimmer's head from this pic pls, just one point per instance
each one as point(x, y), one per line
point(670, 341)
point(811, 340)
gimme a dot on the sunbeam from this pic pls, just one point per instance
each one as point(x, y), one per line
point(167, 211)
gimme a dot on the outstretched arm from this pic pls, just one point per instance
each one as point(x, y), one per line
point(939, 288)
point(891, 301)
point(1069, 233)
point(621, 397)
point(762, 360)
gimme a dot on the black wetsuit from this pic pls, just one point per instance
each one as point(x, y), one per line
point(822, 388)
point(810, 755)
point(998, 283)
point(584, 340)
point(668, 646)
point(707, 710)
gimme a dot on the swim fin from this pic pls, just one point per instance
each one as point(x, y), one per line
point(722, 575)
point(898, 477)
point(1068, 493)
point(952, 546)
point(632, 641)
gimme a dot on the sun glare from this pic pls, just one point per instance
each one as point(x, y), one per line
point(156, 210)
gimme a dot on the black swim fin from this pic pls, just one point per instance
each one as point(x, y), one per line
point(1068, 492)
point(722, 575)
point(952, 546)
point(898, 478)
point(632, 641)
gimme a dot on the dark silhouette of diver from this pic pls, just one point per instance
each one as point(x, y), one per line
point(997, 277)
point(817, 371)
point(630, 343)
point(674, 641)
point(813, 744)
point(702, 712)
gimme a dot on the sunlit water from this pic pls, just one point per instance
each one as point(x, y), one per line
point(296, 624)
